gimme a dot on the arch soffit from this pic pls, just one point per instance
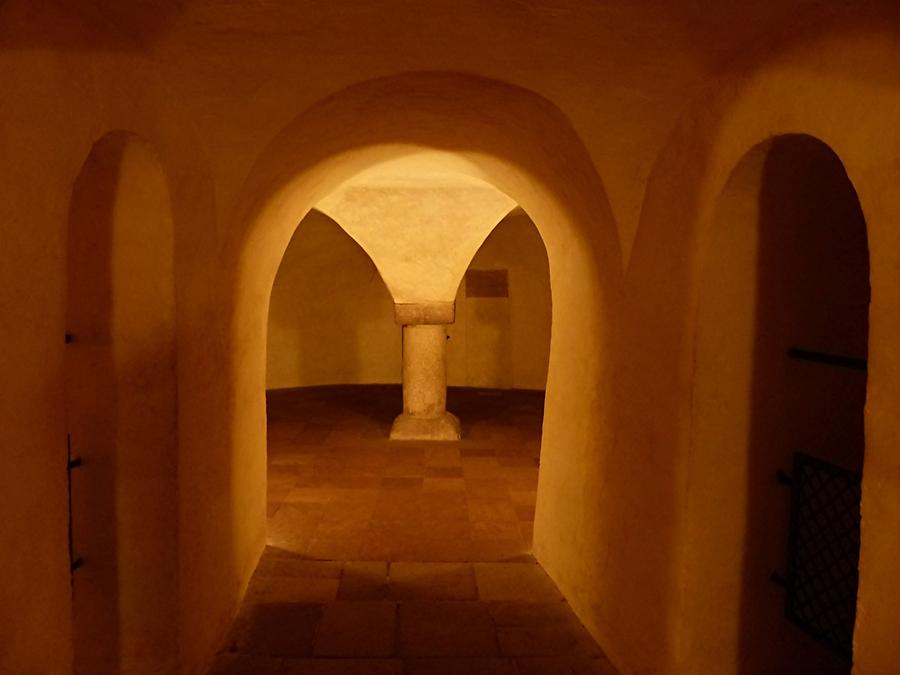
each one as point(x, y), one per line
point(458, 278)
point(500, 133)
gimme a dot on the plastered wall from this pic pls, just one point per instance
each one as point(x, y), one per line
point(615, 125)
point(331, 319)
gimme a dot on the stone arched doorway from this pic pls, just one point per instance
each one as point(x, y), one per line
point(560, 190)
point(782, 333)
point(338, 488)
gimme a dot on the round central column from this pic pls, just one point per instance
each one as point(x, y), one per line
point(425, 415)
point(424, 371)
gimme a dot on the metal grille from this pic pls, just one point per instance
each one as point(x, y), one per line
point(823, 555)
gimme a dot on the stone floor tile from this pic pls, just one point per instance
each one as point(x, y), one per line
point(493, 550)
point(515, 581)
point(346, 480)
point(544, 666)
point(494, 488)
point(401, 482)
point(340, 523)
point(442, 455)
point(491, 510)
point(282, 629)
point(478, 451)
point(364, 580)
point(498, 549)
point(313, 433)
point(272, 551)
point(336, 547)
point(521, 478)
point(443, 472)
point(244, 664)
point(481, 467)
point(281, 477)
point(417, 546)
point(457, 666)
point(376, 546)
point(291, 528)
point(362, 500)
point(497, 530)
point(303, 495)
point(565, 639)
point(285, 566)
point(531, 613)
point(443, 484)
point(271, 589)
point(443, 544)
point(598, 666)
point(432, 581)
point(523, 497)
point(446, 629)
point(564, 666)
point(447, 506)
point(515, 459)
point(440, 550)
point(406, 463)
point(277, 492)
point(446, 527)
point(308, 480)
point(329, 666)
point(357, 628)
point(291, 458)
point(397, 508)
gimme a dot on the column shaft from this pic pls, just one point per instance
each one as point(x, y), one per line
point(425, 415)
point(424, 370)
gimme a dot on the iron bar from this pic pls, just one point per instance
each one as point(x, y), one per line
point(828, 359)
point(74, 563)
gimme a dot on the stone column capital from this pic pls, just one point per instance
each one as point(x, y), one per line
point(424, 313)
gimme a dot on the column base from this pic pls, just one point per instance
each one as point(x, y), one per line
point(409, 428)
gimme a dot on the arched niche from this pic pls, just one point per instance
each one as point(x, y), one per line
point(501, 336)
point(121, 411)
point(846, 105)
point(331, 317)
point(496, 132)
point(786, 268)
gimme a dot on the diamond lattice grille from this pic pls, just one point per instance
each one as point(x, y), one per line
point(823, 558)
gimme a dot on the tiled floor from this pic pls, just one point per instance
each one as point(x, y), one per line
point(403, 558)
point(340, 490)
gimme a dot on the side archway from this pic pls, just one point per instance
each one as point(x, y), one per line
point(786, 280)
point(813, 90)
point(121, 402)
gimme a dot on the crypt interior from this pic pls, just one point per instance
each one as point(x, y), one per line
point(523, 337)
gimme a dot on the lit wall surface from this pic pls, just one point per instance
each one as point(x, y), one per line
point(616, 126)
point(331, 318)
